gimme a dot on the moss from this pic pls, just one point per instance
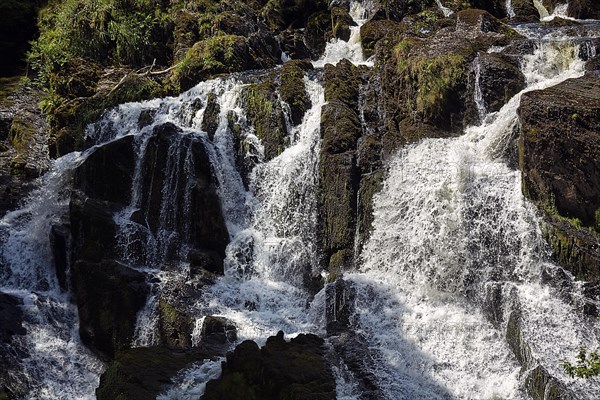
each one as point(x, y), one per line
point(292, 89)
point(432, 79)
point(209, 57)
point(176, 326)
point(20, 133)
point(266, 116)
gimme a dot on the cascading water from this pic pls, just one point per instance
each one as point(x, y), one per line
point(450, 225)
point(55, 361)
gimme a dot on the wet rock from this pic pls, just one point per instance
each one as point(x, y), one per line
point(265, 114)
point(195, 211)
point(543, 386)
point(339, 299)
point(175, 325)
point(11, 317)
point(218, 330)
point(561, 173)
point(292, 43)
point(60, 242)
point(584, 9)
point(205, 261)
point(374, 30)
point(292, 88)
point(525, 10)
point(107, 173)
point(341, 23)
point(292, 370)
point(317, 33)
point(354, 350)
point(501, 78)
point(109, 296)
point(396, 10)
point(210, 120)
point(141, 373)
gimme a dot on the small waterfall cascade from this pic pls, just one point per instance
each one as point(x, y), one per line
point(54, 359)
point(429, 272)
point(509, 9)
point(445, 10)
point(455, 250)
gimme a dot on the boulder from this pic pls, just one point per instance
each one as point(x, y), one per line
point(339, 306)
point(561, 172)
point(280, 370)
point(317, 33)
point(341, 22)
point(108, 296)
point(175, 325)
point(292, 89)
point(218, 330)
point(584, 9)
point(141, 373)
point(11, 317)
point(210, 119)
point(500, 79)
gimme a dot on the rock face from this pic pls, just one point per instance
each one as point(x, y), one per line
point(561, 172)
point(109, 293)
point(280, 370)
point(11, 318)
point(141, 373)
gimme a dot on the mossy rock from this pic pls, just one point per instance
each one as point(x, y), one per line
point(317, 33)
point(175, 326)
point(292, 89)
point(141, 373)
point(20, 133)
point(373, 31)
point(294, 370)
point(341, 22)
point(264, 112)
point(209, 57)
point(210, 120)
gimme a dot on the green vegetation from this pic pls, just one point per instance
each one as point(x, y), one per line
point(430, 79)
point(588, 364)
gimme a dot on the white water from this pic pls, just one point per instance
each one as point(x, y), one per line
point(57, 362)
point(450, 221)
point(509, 9)
point(445, 10)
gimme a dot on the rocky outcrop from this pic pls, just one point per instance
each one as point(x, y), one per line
point(292, 89)
point(561, 172)
point(108, 292)
point(141, 373)
point(108, 296)
point(12, 379)
point(584, 9)
point(280, 370)
point(500, 79)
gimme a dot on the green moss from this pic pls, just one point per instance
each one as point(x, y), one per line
point(215, 55)
point(431, 79)
point(20, 133)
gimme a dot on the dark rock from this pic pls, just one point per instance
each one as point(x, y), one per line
point(141, 373)
point(584, 9)
point(354, 350)
point(492, 303)
point(374, 30)
point(339, 300)
point(264, 112)
point(396, 10)
point(280, 370)
point(210, 120)
point(525, 10)
point(317, 33)
point(341, 22)
point(107, 172)
point(501, 78)
point(60, 241)
point(146, 118)
point(93, 228)
point(109, 296)
point(11, 317)
point(281, 14)
point(292, 89)
point(292, 43)
point(543, 386)
point(175, 325)
point(205, 261)
point(195, 216)
point(561, 173)
point(218, 330)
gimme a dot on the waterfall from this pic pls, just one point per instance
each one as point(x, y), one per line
point(445, 10)
point(429, 267)
point(509, 9)
point(478, 94)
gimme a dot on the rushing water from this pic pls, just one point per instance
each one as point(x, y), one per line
point(451, 226)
